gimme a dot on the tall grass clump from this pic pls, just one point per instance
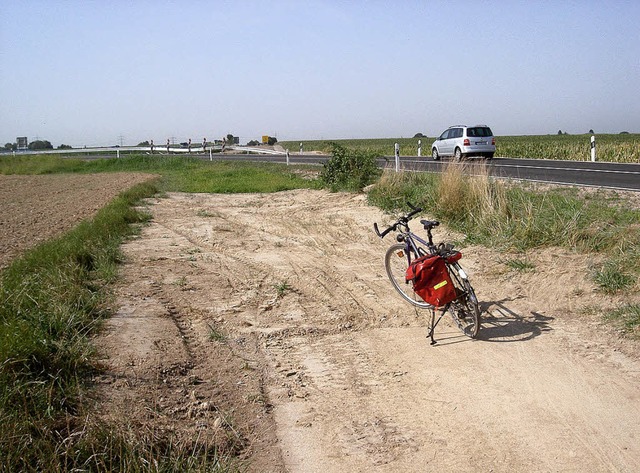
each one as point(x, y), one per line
point(51, 302)
point(464, 197)
point(468, 197)
point(392, 192)
point(496, 213)
point(349, 169)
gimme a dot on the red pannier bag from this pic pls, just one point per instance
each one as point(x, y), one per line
point(431, 280)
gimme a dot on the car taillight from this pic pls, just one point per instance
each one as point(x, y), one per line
point(466, 142)
point(493, 141)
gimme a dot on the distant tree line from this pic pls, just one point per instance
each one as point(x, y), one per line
point(591, 132)
point(35, 146)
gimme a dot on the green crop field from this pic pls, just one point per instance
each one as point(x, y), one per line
point(621, 148)
point(381, 146)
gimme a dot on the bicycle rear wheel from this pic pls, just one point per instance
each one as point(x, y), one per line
point(396, 264)
point(464, 311)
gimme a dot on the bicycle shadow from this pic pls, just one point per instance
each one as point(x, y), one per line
point(501, 324)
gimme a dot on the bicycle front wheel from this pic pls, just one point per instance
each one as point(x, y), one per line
point(464, 310)
point(396, 262)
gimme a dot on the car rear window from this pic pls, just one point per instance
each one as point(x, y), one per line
point(479, 131)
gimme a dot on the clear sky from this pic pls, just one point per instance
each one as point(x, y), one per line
point(99, 73)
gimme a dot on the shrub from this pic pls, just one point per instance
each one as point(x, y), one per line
point(349, 169)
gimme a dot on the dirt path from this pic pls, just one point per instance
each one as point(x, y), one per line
point(266, 322)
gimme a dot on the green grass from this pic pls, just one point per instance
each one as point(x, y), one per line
point(282, 288)
point(507, 217)
point(178, 173)
point(619, 148)
point(520, 265)
point(614, 276)
point(39, 164)
point(627, 318)
point(52, 301)
point(215, 335)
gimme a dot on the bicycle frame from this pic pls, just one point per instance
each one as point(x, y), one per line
point(415, 247)
point(410, 244)
point(459, 274)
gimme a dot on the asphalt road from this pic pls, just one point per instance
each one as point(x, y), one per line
point(581, 173)
point(578, 173)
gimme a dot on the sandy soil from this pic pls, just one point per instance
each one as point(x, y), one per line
point(266, 324)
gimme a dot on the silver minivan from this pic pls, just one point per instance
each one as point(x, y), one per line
point(462, 141)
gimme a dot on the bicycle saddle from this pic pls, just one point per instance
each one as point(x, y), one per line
point(429, 224)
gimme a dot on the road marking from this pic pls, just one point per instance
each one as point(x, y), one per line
point(564, 169)
point(573, 184)
point(525, 179)
point(524, 165)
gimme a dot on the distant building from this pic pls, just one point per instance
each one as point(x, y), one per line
point(22, 143)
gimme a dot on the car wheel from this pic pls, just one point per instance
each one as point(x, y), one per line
point(490, 156)
point(457, 154)
point(434, 154)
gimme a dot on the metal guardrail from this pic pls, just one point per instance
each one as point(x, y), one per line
point(156, 149)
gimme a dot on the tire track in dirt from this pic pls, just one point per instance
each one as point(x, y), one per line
point(205, 387)
point(339, 368)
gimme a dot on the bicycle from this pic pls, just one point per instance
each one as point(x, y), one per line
point(463, 307)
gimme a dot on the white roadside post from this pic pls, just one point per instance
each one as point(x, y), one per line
point(118, 153)
point(593, 148)
point(287, 157)
point(301, 147)
point(211, 154)
point(397, 154)
point(419, 148)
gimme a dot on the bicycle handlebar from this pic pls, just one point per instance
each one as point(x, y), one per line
point(383, 234)
point(401, 221)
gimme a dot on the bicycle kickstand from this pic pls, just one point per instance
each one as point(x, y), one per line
point(434, 323)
